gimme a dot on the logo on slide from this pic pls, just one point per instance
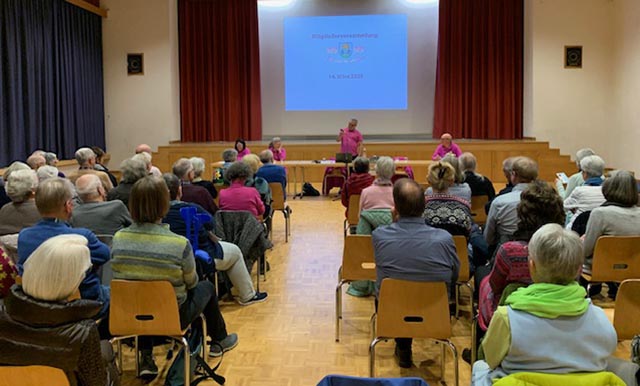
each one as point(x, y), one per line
point(346, 50)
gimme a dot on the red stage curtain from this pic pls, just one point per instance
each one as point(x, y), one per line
point(480, 69)
point(219, 70)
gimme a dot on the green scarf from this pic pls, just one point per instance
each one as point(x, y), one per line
point(550, 300)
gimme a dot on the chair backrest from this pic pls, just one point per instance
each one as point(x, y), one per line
point(463, 256)
point(143, 308)
point(345, 380)
point(32, 376)
point(277, 196)
point(354, 210)
point(626, 319)
point(193, 222)
point(358, 261)
point(616, 258)
point(413, 309)
point(477, 208)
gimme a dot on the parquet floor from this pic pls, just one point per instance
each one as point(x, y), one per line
point(289, 340)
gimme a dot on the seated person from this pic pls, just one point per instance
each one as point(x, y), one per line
point(279, 153)
point(459, 188)
point(550, 327)
point(132, 170)
point(446, 147)
point(229, 156)
point(259, 183)
point(198, 168)
point(272, 172)
point(144, 148)
point(479, 184)
point(238, 196)
point(434, 252)
point(442, 209)
point(148, 250)
point(576, 179)
point(47, 171)
point(241, 148)
point(539, 205)
point(588, 196)
point(93, 212)
point(380, 194)
point(98, 166)
point(17, 165)
point(86, 159)
point(226, 256)
point(21, 212)
point(54, 199)
point(618, 216)
point(357, 181)
point(40, 324)
point(183, 169)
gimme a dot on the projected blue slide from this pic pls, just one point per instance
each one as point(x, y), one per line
point(345, 62)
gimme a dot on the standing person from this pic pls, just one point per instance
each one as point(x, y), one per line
point(350, 139)
point(445, 147)
point(433, 256)
point(279, 153)
point(241, 148)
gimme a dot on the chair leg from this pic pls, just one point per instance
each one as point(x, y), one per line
point(474, 338)
point(204, 336)
point(372, 356)
point(443, 361)
point(338, 308)
point(454, 351)
point(345, 226)
point(187, 361)
point(137, 357)
point(372, 325)
point(120, 370)
point(457, 301)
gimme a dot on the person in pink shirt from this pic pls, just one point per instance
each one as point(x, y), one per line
point(238, 196)
point(445, 147)
point(241, 148)
point(350, 139)
point(279, 153)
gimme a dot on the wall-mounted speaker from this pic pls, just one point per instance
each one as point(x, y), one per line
point(135, 64)
point(572, 56)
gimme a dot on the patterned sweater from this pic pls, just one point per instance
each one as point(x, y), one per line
point(152, 252)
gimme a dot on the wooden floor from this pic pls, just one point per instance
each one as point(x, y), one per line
point(289, 340)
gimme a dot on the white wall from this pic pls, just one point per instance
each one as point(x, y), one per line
point(570, 108)
point(143, 108)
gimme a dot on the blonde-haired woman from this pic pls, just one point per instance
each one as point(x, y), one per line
point(40, 325)
point(442, 209)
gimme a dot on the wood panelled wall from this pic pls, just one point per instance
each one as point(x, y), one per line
point(489, 154)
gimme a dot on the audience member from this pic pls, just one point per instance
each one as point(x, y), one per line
point(17, 165)
point(379, 195)
point(351, 140)
point(479, 184)
point(276, 148)
point(97, 150)
point(21, 212)
point(272, 172)
point(507, 168)
point(459, 188)
point(539, 205)
point(229, 156)
point(54, 199)
point(40, 324)
point(148, 250)
point(8, 274)
point(502, 219)
point(132, 170)
point(433, 256)
point(357, 181)
point(35, 161)
point(259, 183)
point(445, 147)
point(576, 179)
point(86, 158)
point(183, 169)
point(241, 148)
point(238, 196)
point(144, 148)
point(550, 327)
point(47, 171)
point(94, 213)
point(52, 160)
point(588, 196)
point(198, 168)
point(226, 256)
point(442, 209)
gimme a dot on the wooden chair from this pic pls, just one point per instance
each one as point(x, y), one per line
point(358, 263)
point(464, 277)
point(147, 308)
point(615, 259)
point(626, 314)
point(477, 209)
point(353, 213)
point(402, 314)
point(32, 376)
point(278, 204)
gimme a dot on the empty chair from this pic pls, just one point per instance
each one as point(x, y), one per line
point(464, 277)
point(477, 209)
point(32, 376)
point(615, 258)
point(626, 317)
point(278, 204)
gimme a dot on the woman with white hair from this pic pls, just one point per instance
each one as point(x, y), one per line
point(17, 165)
point(44, 323)
point(588, 196)
point(47, 171)
point(279, 153)
point(576, 179)
point(21, 212)
point(380, 194)
point(198, 168)
point(550, 327)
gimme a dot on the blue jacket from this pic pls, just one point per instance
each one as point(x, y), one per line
point(274, 173)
